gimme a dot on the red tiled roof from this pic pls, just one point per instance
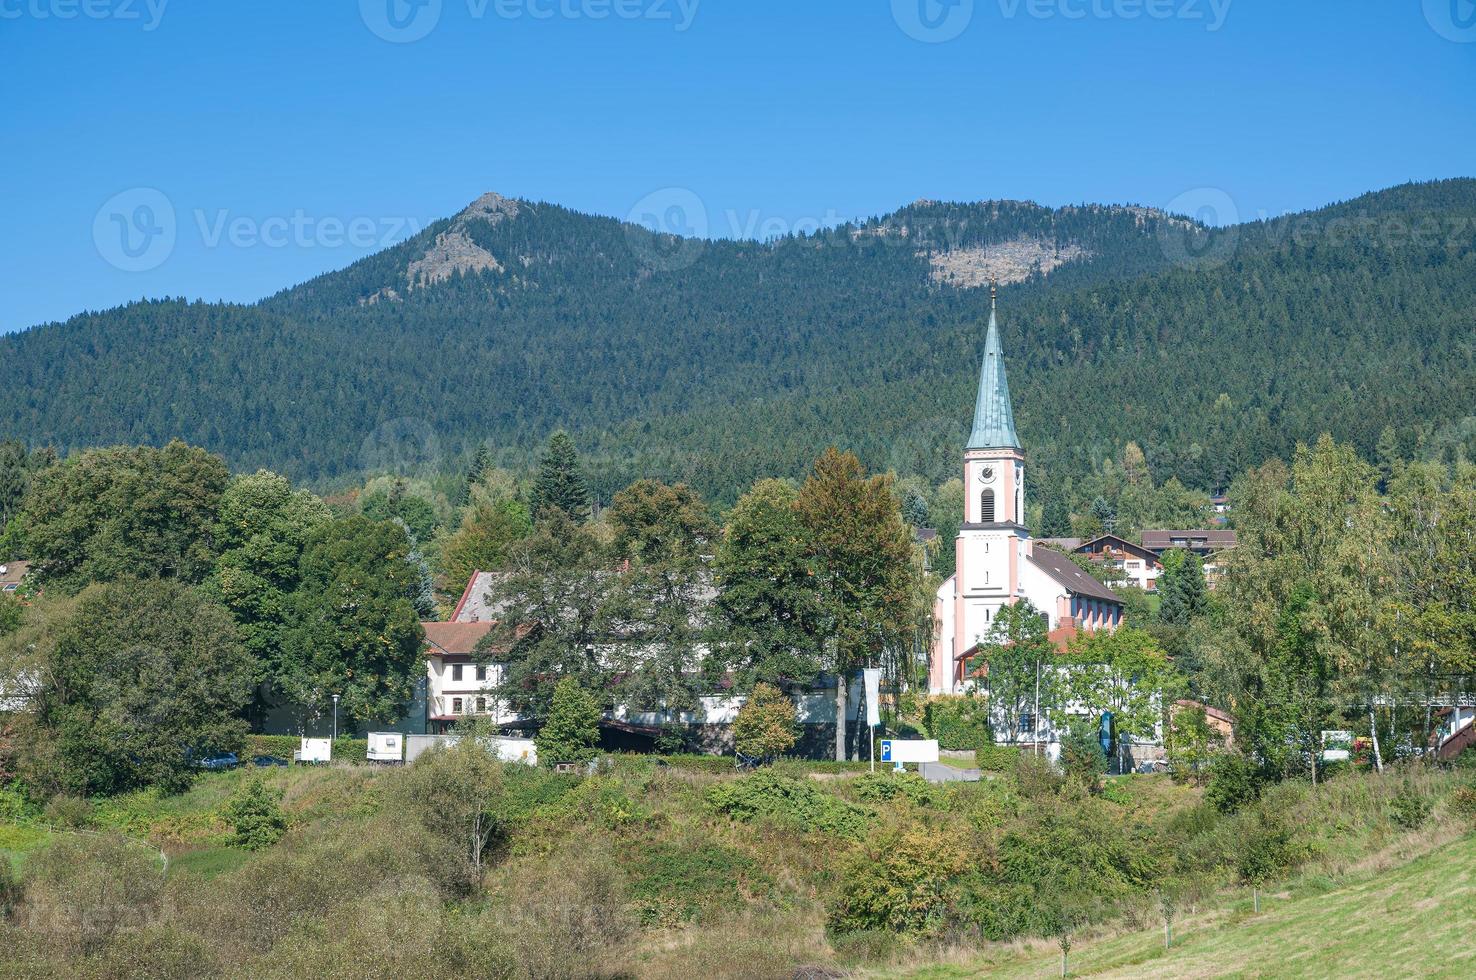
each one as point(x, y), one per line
point(455, 638)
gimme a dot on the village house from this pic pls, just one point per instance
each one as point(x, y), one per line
point(1207, 544)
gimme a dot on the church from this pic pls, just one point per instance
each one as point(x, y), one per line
point(997, 560)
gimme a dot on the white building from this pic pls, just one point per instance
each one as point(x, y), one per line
point(997, 561)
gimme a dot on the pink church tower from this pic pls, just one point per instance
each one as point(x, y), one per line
point(993, 543)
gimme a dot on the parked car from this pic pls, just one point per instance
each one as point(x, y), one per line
point(267, 761)
point(219, 762)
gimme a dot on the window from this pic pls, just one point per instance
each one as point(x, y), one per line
point(481, 706)
point(456, 672)
point(986, 507)
point(1027, 723)
point(456, 706)
point(481, 672)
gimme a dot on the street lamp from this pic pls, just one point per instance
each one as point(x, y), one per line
point(335, 717)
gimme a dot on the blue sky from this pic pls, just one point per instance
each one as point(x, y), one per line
point(277, 139)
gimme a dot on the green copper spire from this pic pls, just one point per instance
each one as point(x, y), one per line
point(994, 418)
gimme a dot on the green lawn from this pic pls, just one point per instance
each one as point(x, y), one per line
point(1416, 920)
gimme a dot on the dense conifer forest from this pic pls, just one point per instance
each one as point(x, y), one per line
point(721, 362)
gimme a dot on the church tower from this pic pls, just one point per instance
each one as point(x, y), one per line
point(993, 543)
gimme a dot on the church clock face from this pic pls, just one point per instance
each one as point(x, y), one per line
point(986, 475)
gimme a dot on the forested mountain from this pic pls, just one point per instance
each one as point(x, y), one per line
point(718, 362)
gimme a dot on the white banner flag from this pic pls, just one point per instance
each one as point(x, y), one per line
point(871, 677)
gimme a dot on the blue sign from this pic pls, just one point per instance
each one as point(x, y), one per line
point(886, 750)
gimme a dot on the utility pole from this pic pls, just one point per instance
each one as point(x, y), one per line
point(335, 717)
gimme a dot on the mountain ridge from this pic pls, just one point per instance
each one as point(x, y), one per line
point(718, 360)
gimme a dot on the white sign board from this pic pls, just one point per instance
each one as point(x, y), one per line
point(315, 750)
point(909, 750)
point(871, 677)
point(386, 746)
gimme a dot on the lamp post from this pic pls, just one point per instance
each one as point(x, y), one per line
point(335, 717)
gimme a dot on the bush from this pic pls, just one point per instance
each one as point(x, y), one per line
point(69, 811)
point(1035, 777)
point(1269, 850)
point(996, 758)
point(10, 888)
point(255, 815)
point(899, 882)
point(765, 725)
point(883, 787)
point(674, 883)
point(84, 888)
point(958, 722)
point(345, 749)
point(798, 803)
point(572, 728)
point(1233, 782)
point(1463, 801)
point(1409, 808)
point(1082, 758)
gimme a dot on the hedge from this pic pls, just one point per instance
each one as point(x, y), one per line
point(282, 746)
point(958, 722)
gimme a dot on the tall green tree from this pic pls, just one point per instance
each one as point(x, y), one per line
point(1019, 660)
point(552, 601)
point(356, 633)
point(262, 528)
point(862, 557)
point(129, 511)
point(663, 537)
point(1123, 672)
point(768, 612)
point(485, 539)
point(560, 485)
point(572, 727)
point(128, 685)
point(1181, 588)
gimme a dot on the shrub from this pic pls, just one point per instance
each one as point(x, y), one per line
point(1035, 777)
point(573, 725)
point(1269, 850)
point(996, 758)
point(1082, 758)
point(674, 883)
point(255, 815)
point(1233, 782)
point(1409, 808)
point(958, 722)
point(83, 889)
point(69, 811)
point(765, 725)
point(899, 882)
point(1463, 801)
point(883, 787)
point(798, 803)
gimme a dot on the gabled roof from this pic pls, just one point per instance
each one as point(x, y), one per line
point(454, 638)
point(472, 607)
point(1210, 538)
point(1069, 576)
point(994, 416)
point(1121, 544)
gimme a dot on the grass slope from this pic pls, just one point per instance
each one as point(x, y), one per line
point(1415, 920)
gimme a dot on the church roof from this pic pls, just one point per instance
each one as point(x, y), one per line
point(994, 417)
point(1069, 575)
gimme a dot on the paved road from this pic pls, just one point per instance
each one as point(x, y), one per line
point(937, 772)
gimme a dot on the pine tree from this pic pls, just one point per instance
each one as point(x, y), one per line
point(573, 725)
point(1181, 588)
point(559, 485)
point(1055, 521)
point(481, 460)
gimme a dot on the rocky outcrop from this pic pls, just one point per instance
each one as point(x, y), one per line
point(454, 251)
point(1007, 262)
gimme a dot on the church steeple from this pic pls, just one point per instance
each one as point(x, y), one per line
point(994, 417)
